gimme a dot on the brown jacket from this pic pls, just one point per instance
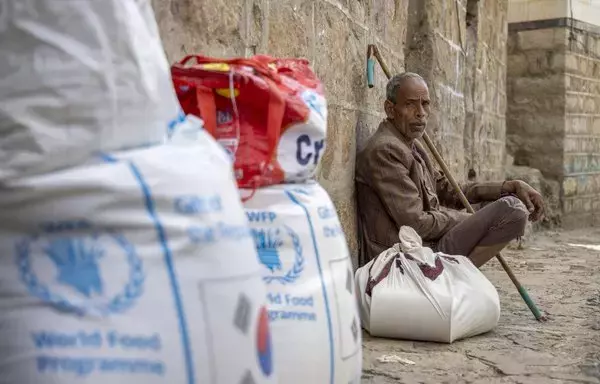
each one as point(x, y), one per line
point(397, 185)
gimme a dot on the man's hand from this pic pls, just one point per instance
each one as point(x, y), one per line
point(528, 195)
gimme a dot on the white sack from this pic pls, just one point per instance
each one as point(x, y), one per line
point(77, 77)
point(410, 292)
point(311, 298)
point(139, 270)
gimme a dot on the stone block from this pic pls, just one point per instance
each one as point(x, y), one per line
point(340, 55)
point(512, 44)
point(451, 148)
point(493, 155)
point(557, 62)
point(541, 39)
point(546, 86)
point(389, 22)
point(337, 164)
point(291, 31)
point(595, 70)
point(523, 103)
point(575, 83)
point(582, 64)
point(561, 39)
point(529, 150)
point(517, 64)
point(596, 50)
point(493, 128)
point(445, 62)
point(336, 171)
point(540, 62)
point(502, 102)
point(580, 163)
point(577, 43)
point(574, 103)
point(581, 188)
point(591, 104)
point(215, 28)
point(456, 18)
point(578, 144)
point(550, 190)
point(435, 14)
point(492, 95)
point(367, 124)
point(577, 125)
point(501, 75)
point(358, 10)
point(536, 10)
point(595, 121)
point(594, 86)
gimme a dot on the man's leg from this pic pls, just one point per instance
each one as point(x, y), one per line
point(487, 231)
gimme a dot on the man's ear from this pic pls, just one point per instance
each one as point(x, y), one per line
point(389, 109)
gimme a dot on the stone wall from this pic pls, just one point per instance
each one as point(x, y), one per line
point(554, 110)
point(536, 94)
point(581, 183)
point(488, 126)
point(436, 36)
point(334, 35)
point(460, 48)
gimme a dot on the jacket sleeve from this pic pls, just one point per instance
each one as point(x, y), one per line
point(400, 196)
point(474, 192)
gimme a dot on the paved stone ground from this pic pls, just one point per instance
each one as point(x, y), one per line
point(565, 282)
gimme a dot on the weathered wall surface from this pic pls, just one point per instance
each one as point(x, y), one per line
point(581, 183)
point(554, 92)
point(536, 94)
point(459, 46)
point(488, 126)
point(435, 50)
point(467, 84)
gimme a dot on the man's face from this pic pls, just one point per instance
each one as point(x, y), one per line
point(410, 112)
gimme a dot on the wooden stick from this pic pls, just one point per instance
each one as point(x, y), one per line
point(522, 291)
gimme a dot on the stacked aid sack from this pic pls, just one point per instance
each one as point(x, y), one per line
point(124, 259)
point(271, 116)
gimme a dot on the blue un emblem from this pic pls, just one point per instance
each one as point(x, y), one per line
point(270, 243)
point(79, 269)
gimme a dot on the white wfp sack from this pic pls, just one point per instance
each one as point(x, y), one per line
point(308, 271)
point(141, 270)
point(78, 77)
point(410, 292)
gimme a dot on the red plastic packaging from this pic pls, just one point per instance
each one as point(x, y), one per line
point(269, 114)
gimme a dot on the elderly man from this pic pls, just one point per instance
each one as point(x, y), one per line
point(398, 185)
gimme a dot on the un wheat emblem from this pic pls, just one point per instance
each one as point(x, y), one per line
point(77, 261)
point(268, 244)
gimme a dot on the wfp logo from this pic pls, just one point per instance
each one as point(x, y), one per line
point(77, 264)
point(65, 269)
point(270, 243)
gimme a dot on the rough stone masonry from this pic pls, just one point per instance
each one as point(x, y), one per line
point(459, 46)
point(554, 109)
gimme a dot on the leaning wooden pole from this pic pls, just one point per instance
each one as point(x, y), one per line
point(374, 52)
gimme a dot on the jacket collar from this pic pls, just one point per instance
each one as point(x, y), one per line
point(387, 126)
point(416, 145)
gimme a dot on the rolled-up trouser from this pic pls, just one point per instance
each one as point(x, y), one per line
point(496, 223)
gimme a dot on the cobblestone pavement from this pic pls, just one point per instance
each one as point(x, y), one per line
point(563, 279)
